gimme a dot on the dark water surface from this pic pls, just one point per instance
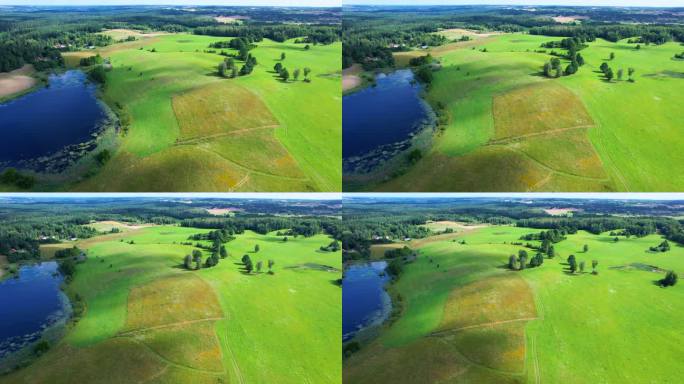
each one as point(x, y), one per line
point(384, 114)
point(364, 299)
point(29, 304)
point(45, 121)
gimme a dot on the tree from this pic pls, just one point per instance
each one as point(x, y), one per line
point(581, 266)
point(307, 47)
point(187, 262)
point(278, 67)
point(223, 252)
point(285, 239)
point(609, 74)
point(580, 59)
point(256, 248)
point(307, 71)
point(295, 74)
point(522, 259)
point(585, 248)
point(594, 264)
point(282, 56)
point(512, 262)
point(669, 280)
point(259, 264)
point(573, 263)
point(222, 69)
point(604, 67)
point(284, 74)
point(271, 263)
point(630, 72)
point(612, 55)
point(552, 252)
point(638, 47)
point(620, 72)
point(559, 73)
point(233, 73)
point(197, 258)
point(547, 69)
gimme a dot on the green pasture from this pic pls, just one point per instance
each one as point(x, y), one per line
point(627, 145)
point(213, 325)
point(153, 157)
point(616, 326)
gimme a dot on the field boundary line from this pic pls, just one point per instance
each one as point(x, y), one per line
point(454, 330)
point(200, 139)
point(548, 168)
point(169, 325)
point(174, 364)
point(239, 183)
point(246, 169)
point(507, 140)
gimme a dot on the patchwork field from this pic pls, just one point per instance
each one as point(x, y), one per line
point(466, 318)
point(191, 130)
point(149, 320)
point(511, 129)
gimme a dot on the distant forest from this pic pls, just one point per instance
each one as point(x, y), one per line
point(37, 35)
point(367, 223)
point(370, 35)
point(23, 227)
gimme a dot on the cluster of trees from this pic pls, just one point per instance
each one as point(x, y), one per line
point(91, 60)
point(334, 246)
point(662, 247)
point(669, 280)
point(11, 176)
point(552, 68)
point(227, 68)
point(251, 266)
point(576, 266)
point(520, 263)
point(399, 253)
point(68, 253)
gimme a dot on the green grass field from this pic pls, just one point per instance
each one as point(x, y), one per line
point(473, 321)
point(194, 131)
point(511, 129)
point(150, 320)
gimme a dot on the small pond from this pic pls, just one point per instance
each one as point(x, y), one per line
point(364, 299)
point(30, 302)
point(386, 113)
point(43, 122)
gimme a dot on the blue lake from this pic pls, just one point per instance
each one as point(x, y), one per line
point(364, 299)
point(30, 303)
point(382, 114)
point(43, 122)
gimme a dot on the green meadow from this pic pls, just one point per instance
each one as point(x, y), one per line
point(148, 319)
point(466, 318)
point(510, 128)
point(191, 130)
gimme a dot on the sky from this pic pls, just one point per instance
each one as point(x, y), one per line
point(289, 3)
point(634, 3)
point(610, 196)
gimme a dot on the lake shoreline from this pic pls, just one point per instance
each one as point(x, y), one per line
point(52, 329)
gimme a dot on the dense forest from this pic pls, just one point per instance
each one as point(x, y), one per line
point(368, 222)
point(370, 35)
point(37, 35)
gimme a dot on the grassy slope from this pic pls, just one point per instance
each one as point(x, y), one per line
point(614, 327)
point(634, 130)
point(148, 160)
point(265, 317)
